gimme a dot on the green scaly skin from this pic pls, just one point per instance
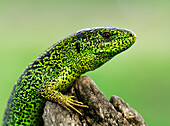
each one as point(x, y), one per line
point(54, 71)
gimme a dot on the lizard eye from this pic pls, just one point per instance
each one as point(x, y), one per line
point(106, 35)
point(78, 47)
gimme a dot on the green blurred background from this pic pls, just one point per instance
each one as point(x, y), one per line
point(140, 75)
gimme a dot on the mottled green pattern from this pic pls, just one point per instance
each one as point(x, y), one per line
point(54, 71)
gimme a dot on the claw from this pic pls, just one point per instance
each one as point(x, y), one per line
point(80, 105)
point(74, 109)
point(69, 102)
point(75, 101)
point(67, 108)
point(72, 97)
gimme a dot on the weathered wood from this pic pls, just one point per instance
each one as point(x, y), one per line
point(101, 112)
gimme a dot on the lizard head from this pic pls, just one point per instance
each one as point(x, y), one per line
point(104, 42)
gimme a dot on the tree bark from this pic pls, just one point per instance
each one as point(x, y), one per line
point(101, 112)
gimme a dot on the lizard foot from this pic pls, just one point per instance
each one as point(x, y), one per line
point(69, 102)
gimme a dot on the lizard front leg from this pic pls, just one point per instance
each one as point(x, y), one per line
point(51, 90)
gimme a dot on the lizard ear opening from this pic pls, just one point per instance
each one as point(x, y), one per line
point(78, 47)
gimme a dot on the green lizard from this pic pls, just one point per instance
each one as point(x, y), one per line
point(55, 70)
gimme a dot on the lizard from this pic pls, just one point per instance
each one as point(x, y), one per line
point(55, 70)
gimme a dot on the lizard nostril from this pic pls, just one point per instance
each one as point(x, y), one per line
point(131, 35)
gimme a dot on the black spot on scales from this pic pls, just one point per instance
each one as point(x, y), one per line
point(78, 47)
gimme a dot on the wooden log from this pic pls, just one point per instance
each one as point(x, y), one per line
point(101, 112)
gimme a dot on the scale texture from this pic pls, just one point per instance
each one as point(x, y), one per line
point(55, 70)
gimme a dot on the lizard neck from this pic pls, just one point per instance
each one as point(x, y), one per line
point(87, 63)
